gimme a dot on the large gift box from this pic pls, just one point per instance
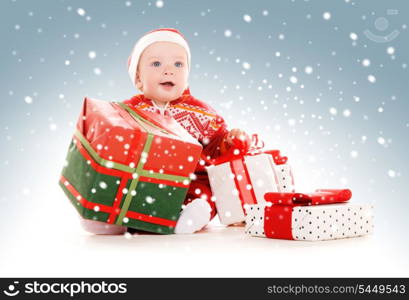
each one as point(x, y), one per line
point(129, 167)
point(243, 180)
point(323, 215)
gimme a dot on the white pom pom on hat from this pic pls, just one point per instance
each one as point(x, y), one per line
point(157, 35)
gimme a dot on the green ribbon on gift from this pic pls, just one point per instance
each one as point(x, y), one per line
point(118, 166)
point(101, 161)
point(138, 171)
point(134, 182)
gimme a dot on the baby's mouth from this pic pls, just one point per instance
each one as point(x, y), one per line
point(167, 83)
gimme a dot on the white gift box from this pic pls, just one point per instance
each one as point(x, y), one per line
point(263, 176)
point(317, 222)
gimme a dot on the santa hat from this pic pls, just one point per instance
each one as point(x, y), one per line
point(158, 35)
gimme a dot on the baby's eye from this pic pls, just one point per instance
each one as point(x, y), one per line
point(156, 64)
point(178, 64)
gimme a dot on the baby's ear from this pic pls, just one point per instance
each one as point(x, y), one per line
point(138, 82)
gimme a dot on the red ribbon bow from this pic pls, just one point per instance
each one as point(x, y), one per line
point(241, 148)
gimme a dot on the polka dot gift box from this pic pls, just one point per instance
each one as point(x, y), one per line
point(323, 215)
point(129, 167)
point(245, 179)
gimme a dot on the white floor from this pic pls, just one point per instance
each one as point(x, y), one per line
point(55, 246)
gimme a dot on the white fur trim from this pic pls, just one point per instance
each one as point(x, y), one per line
point(150, 38)
point(194, 217)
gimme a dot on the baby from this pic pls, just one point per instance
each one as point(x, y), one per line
point(159, 67)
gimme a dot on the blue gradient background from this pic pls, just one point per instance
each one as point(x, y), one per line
point(38, 37)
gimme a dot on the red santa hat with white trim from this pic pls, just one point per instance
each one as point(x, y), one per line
point(157, 35)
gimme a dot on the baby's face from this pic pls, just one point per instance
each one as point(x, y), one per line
point(163, 71)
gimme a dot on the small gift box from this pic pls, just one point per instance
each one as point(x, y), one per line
point(129, 167)
point(242, 180)
point(323, 215)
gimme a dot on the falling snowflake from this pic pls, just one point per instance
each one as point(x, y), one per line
point(53, 126)
point(353, 36)
point(81, 12)
point(28, 99)
point(381, 140)
point(246, 65)
point(293, 79)
point(366, 62)
point(308, 70)
point(97, 71)
point(344, 181)
point(109, 164)
point(326, 15)
point(390, 50)
point(371, 78)
point(149, 199)
point(92, 54)
point(391, 173)
point(247, 18)
point(346, 113)
point(227, 33)
point(159, 4)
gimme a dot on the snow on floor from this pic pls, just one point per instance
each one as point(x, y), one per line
point(47, 244)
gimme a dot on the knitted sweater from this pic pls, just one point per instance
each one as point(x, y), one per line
point(197, 117)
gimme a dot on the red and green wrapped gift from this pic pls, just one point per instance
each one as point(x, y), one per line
point(129, 167)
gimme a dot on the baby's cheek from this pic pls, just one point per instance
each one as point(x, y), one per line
point(184, 78)
point(139, 85)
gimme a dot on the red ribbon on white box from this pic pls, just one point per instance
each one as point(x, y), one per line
point(278, 216)
point(241, 149)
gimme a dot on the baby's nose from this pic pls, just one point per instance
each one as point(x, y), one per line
point(168, 72)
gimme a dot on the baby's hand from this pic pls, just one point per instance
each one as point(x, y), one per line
point(238, 135)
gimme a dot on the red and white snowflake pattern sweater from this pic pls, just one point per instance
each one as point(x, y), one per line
point(204, 124)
